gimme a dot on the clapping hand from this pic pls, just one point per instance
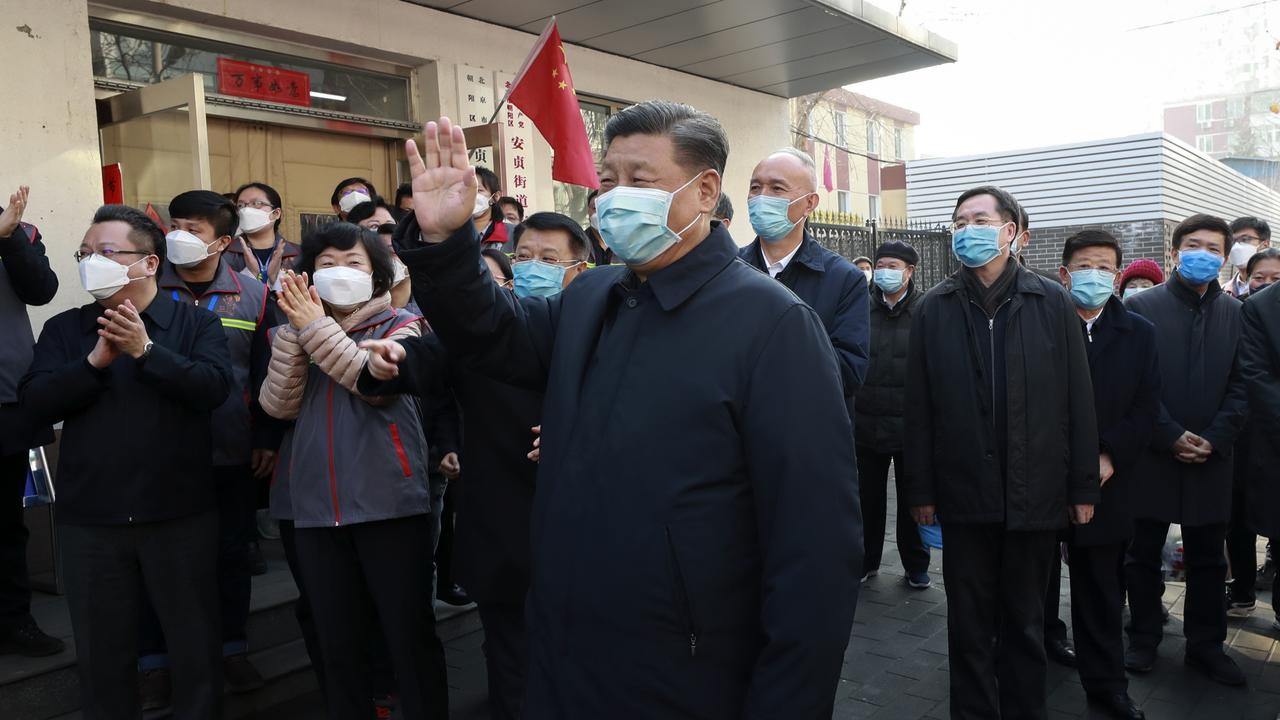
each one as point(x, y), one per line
point(300, 303)
point(444, 182)
point(12, 214)
point(123, 328)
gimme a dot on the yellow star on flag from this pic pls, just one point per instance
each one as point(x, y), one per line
point(563, 84)
point(555, 73)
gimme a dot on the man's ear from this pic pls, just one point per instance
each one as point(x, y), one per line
point(222, 243)
point(709, 191)
point(1064, 277)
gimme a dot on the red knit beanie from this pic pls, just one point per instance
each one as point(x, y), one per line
point(1142, 269)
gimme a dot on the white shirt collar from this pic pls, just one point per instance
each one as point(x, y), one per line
point(775, 268)
point(1241, 287)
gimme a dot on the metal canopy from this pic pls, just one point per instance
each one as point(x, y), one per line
point(786, 48)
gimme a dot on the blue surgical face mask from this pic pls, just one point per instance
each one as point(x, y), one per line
point(769, 216)
point(977, 245)
point(1090, 289)
point(633, 222)
point(1130, 292)
point(534, 278)
point(889, 280)
point(1198, 267)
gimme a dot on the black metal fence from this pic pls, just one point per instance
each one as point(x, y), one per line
point(931, 240)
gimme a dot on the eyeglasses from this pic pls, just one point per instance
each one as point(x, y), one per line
point(562, 263)
point(1251, 239)
point(980, 222)
point(260, 204)
point(386, 229)
point(108, 253)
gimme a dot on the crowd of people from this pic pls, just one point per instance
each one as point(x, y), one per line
point(656, 461)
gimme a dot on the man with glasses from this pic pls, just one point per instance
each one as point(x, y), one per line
point(551, 250)
point(25, 279)
point(1248, 236)
point(135, 377)
point(1001, 447)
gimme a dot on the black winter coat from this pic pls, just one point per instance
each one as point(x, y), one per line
point(1201, 391)
point(1260, 369)
point(878, 420)
point(696, 535)
point(951, 449)
point(1126, 397)
point(495, 489)
point(837, 290)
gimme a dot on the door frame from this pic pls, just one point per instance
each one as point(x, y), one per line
point(186, 92)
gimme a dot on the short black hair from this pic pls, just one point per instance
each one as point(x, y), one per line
point(578, 242)
point(405, 190)
point(724, 208)
point(1024, 220)
point(489, 179)
point(365, 210)
point(1091, 238)
point(1007, 205)
point(700, 142)
point(143, 231)
point(1263, 254)
point(209, 206)
point(504, 263)
point(344, 236)
point(335, 197)
point(272, 196)
point(508, 200)
point(592, 195)
point(1255, 224)
point(1202, 221)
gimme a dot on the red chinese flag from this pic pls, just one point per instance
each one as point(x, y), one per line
point(543, 90)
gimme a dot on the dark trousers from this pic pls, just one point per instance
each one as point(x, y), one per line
point(1242, 546)
point(107, 568)
point(390, 562)
point(873, 480)
point(236, 491)
point(995, 582)
point(1205, 622)
point(15, 586)
point(444, 542)
point(1097, 610)
point(506, 658)
point(302, 608)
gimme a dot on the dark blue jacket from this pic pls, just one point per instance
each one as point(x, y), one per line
point(837, 290)
point(1260, 369)
point(1126, 398)
point(696, 535)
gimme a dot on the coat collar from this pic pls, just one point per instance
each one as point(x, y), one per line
point(878, 302)
point(374, 312)
point(1187, 296)
point(809, 254)
point(1024, 281)
point(678, 282)
point(161, 311)
point(224, 280)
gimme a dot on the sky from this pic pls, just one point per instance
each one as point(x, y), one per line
point(1033, 72)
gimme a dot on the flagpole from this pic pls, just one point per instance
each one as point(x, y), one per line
point(524, 68)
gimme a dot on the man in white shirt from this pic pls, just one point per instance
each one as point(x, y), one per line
point(1248, 236)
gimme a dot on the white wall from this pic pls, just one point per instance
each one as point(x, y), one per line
point(413, 35)
point(50, 131)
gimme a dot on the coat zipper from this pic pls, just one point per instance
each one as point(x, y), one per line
point(991, 338)
point(691, 625)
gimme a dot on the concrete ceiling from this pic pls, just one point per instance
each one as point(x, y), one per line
point(786, 48)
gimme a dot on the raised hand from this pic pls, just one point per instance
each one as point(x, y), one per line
point(299, 303)
point(12, 214)
point(444, 182)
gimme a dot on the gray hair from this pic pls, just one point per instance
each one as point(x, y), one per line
point(699, 139)
point(805, 159)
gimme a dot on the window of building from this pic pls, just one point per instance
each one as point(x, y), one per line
point(134, 54)
point(1236, 107)
point(842, 134)
point(1204, 113)
point(844, 201)
point(873, 137)
point(1204, 143)
point(873, 207)
point(899, 152)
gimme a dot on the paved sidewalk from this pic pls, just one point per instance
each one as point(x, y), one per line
point(896, 664)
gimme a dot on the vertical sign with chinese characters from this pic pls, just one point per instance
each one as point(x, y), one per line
point(475, 105)
point(112, 184)
point(517, 171)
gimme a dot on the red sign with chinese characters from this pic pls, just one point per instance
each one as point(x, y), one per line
point(112, 184)
point(261, 82)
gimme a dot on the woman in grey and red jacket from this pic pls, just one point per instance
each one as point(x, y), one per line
point(357, 475)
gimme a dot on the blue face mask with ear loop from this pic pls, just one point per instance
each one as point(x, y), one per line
point(977, 245)
point(769, 216)
point(1090, 289)
point(534, 278)
point(633, 221)
point(1199, 267)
